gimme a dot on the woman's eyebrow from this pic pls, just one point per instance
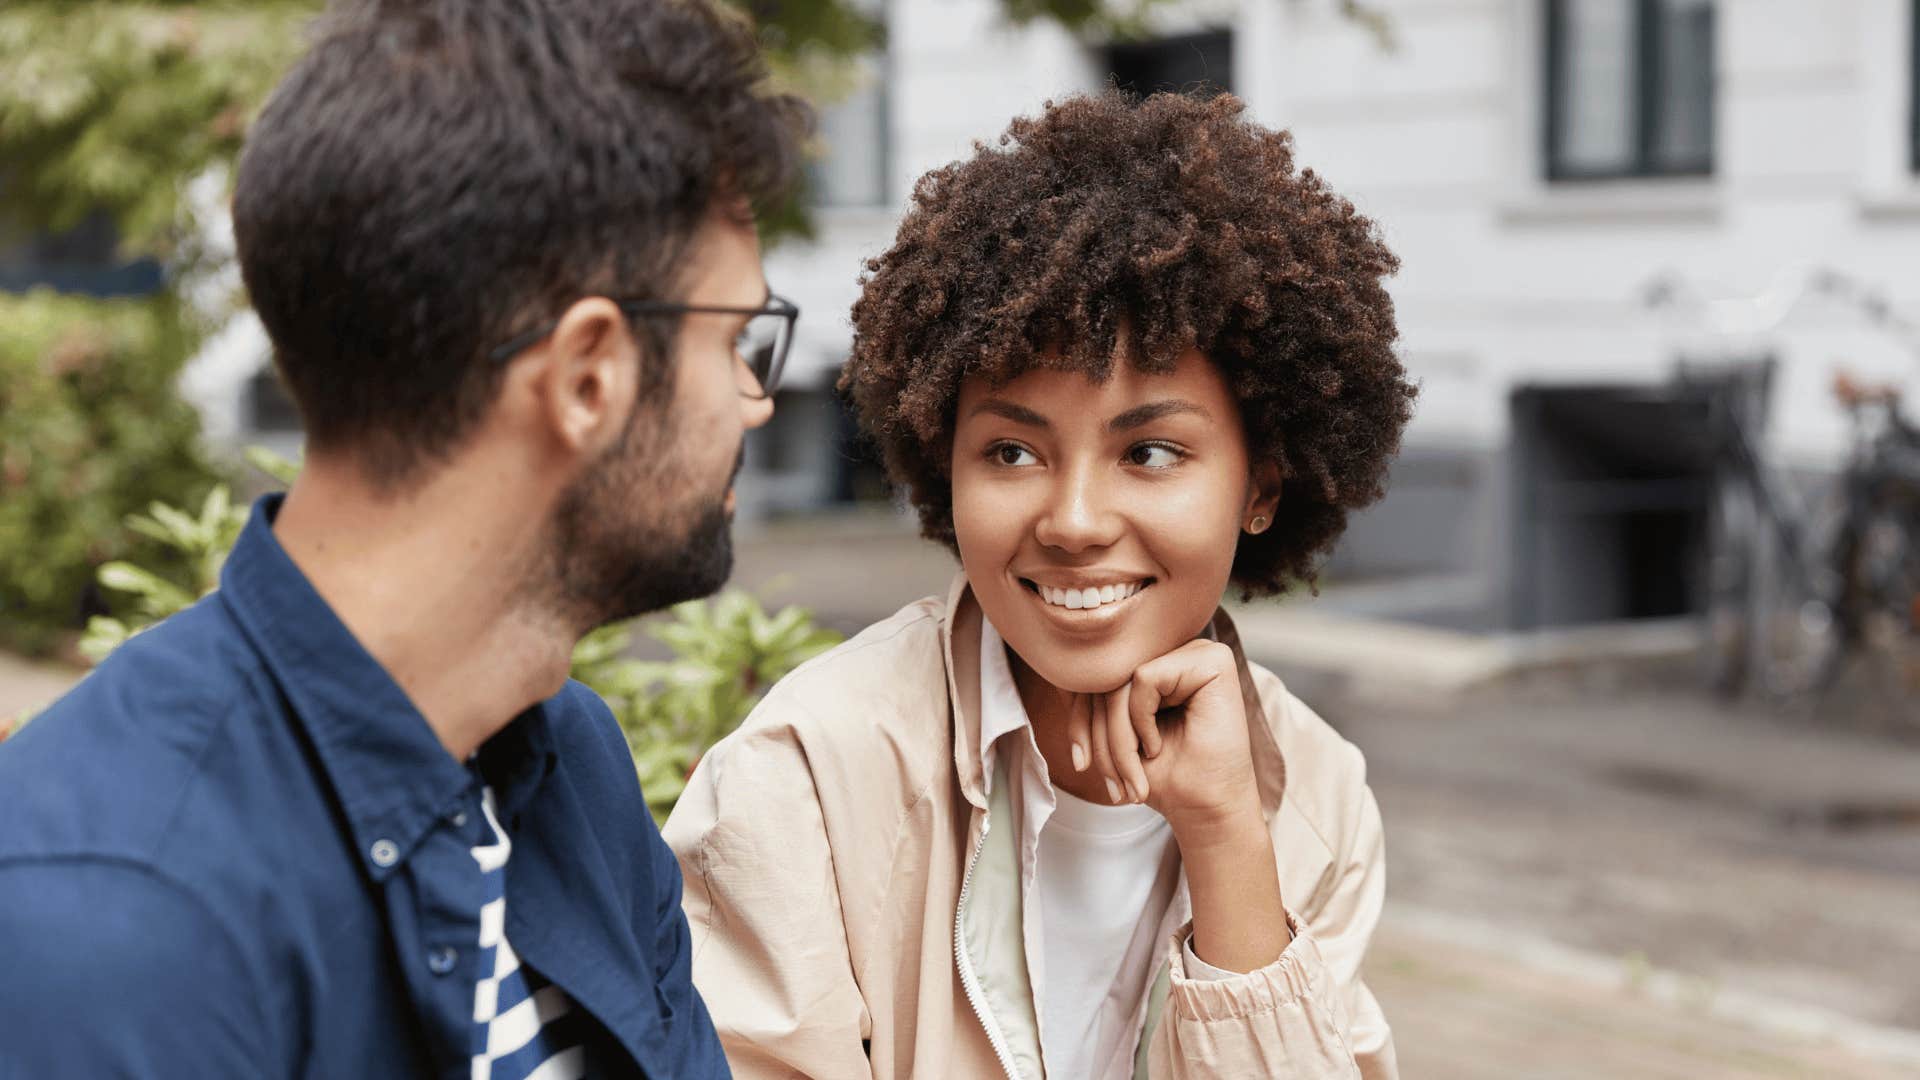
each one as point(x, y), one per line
point(1019, 414)
point(1141, 415)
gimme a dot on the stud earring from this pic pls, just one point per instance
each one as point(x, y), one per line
point(1259, 525)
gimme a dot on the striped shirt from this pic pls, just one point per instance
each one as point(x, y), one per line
point(524, 1027)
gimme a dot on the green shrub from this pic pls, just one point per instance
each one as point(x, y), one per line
point(727, 652)
point(91, 429)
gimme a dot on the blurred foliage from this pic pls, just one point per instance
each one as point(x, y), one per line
point(120, 105)
point(90, 429)
point(725, 652)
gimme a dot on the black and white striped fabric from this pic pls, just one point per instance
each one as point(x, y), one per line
point(525, 1028)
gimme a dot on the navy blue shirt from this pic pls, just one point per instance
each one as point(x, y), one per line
point(237, 850)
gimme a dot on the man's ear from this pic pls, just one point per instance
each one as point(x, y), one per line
point(588, 377)
point(1263, 496)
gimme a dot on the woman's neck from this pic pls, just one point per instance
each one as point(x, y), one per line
point(1048, 708)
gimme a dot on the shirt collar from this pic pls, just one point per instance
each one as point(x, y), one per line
point(1001, 710)
point(392, 775)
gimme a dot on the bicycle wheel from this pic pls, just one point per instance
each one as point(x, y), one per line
point(1799, 640)
point(1887, 567)
point(1728, 563)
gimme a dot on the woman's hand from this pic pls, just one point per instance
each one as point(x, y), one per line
point(1175, 737)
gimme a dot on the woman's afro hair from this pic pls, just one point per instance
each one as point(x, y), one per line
point(1153, 226)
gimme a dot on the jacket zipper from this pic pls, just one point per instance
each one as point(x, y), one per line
point(967, 980)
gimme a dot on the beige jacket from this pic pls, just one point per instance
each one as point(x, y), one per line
point(855, 893)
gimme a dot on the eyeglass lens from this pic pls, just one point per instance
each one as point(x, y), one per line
point(763, 345)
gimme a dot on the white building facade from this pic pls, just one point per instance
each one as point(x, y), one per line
point(1536, 164)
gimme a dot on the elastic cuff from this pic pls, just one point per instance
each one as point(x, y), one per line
point(1203, 992)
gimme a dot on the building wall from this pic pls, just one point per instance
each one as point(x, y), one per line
point(1509, 281)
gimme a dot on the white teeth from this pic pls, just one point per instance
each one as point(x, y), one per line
point(1082, 599)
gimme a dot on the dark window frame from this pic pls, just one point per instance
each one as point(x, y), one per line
point(1646, 58)
point(1913, 79)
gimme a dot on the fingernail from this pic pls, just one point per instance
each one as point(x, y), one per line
point(1079, 758)
point(1135, 793)
point(1113, 792)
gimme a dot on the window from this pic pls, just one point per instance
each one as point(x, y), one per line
point(1629, 88)
point(1190, 63)
point(268, 406)
point(82, 259)
point(853, 170)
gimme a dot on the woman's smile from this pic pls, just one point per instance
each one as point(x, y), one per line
point(1082, 602)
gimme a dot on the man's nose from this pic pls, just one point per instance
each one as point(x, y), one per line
point(755, 411)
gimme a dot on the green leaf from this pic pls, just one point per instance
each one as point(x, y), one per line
point(103, 635)
point(280, 468)
point(161, 596)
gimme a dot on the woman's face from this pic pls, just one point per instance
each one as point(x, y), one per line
point(1097, 522)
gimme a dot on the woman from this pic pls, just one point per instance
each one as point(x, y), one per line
point(1053, 823)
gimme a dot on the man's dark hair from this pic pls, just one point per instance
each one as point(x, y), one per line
point(1156, 226)
point(435, 176)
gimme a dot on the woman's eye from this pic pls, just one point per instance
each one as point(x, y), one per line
point(1154, 456)
point(1010, 454)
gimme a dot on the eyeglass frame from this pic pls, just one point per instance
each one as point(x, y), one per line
point(633, 309)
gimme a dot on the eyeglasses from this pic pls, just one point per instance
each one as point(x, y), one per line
point(762, 345)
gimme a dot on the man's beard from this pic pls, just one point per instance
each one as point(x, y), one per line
point(628, 539)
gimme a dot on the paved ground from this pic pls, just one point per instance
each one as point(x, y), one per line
point(25, 686)
point(1592, 873)
point(1471, 1013)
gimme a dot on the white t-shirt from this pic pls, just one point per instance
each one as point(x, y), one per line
point(1100, 917)
point(1102, 878)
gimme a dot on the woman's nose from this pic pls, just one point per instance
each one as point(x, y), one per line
point(1079, 514)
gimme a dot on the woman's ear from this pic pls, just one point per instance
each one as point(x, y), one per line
point(1263, 497)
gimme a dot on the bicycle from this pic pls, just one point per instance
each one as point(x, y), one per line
point(1792, 594)
point(1795, 592)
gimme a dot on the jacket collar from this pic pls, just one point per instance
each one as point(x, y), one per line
point(960, 642)
point(392, 775)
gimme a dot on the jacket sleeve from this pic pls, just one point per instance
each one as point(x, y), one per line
point(769, 937)
point(1343, 923)
point(1284, 1020)
point(1308, 1014)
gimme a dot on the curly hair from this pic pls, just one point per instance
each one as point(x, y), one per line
point(1114, 225)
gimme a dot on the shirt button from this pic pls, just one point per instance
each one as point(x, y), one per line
point(440, 961)
point(459, 819)
point(384, 853)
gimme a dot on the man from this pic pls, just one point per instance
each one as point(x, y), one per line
point(345, 817)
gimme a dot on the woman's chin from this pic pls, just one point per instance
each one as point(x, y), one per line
point(1086, 674)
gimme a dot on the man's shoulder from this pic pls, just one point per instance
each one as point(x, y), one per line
point(104, 957)
point(102, 771)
